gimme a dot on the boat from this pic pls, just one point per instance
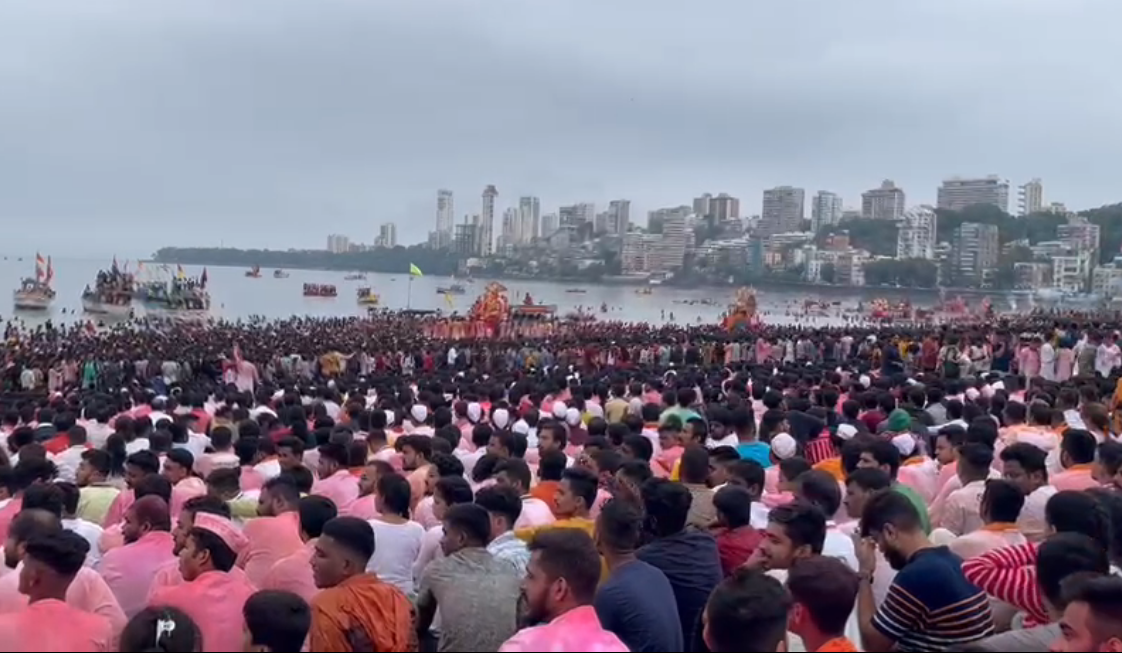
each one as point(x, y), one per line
point(36, 294)
point(187, 300)
point(358, 276)
point(111, 295)
point(254, 273)
point(280, 274)
point(320, 290)
point(365, 297)
point(644, 291)
point(454, 289)
point(576, 291)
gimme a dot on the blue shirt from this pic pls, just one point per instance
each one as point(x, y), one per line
point(757, 451)
point(637, 604)
point(692, 565)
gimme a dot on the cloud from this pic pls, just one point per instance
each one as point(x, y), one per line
point(275, 122)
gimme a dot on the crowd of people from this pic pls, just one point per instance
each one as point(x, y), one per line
point(353, 485)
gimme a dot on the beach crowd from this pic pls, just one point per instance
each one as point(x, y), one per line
point(360, 485)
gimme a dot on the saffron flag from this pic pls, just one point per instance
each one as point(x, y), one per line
point(415, 271)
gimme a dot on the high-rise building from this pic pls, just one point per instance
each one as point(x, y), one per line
point(387, 235)
point(702, 205)
point(783, 211)
point(551, 222)
point(975, 251)
point(445, 218)
point(670, 254)
point(884, 203)
point(512, 228)
point(486, 239)
point(1081, 236)
point(826, 210)
point(916, 235)
point(957, 194)
point(619, 217)
point(1030, 198)
point(723, 207)
point(529, 209)
point(463, 242)
point(577, 215)
point(338, 244)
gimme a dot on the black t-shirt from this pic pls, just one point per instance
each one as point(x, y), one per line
point(690, 562)
point(637, 604)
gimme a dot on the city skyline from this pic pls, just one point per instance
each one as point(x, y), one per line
point(255, 123)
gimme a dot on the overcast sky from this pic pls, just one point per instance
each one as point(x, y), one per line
point(128, 125)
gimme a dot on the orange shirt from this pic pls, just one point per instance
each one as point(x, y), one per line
point(838, 644)
point(547, 492)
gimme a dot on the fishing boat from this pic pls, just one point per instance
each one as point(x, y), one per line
point(36, 294)
point(365, 297)
point(644, 291)
point(320, 290)
point(280, 274)
point(111, 295)
point(454, 289)
point(575, 291)
point(187, 301)
point(254, 273)
point(358, 276)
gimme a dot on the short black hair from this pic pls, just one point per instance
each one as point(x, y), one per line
point(1072, 511)
point(638, 471)
point(885, 453)
point(354, 534)
point(395, 493)
point(749, 471)
point(1003, 500)
point(474, 521)
point(695, 464)
point(889, 507)
point(501, 500)
point(827, 588)
point(447, 465)
point(153, 485)
point(1079, 445)
point(146, 461)
point(620, 525)
point(63, 551)
point(139, 634)
point(869, 479)
point(821, 489)
point(804, 523)
point(336, 452)
point(1064, 554)
point(1030, 457)
point(183, 458)
point(315, 511)
point(454, 490)
point(569, 553)
point(792, 468)
point(747, 612)
point(277, 620)
point(583, 484)
point(71, 496)
point(1110, 456)
point(975, 456)
point(44, 496)
point(640, 446)
point(283, 487)
point(552, 464)
point(206, 504)
point(667, 506)
point(418, 443)
point(517, 470)
point(734, 504)
point(1103, 595)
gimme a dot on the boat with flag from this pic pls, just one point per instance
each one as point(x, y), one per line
point(187, 299)
point(365, 297)
point(111, 294)
point(320, 290)
point(36, 294)
point(254, 272)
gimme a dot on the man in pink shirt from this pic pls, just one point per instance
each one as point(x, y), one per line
point(275, 534)
point(137, 466)
point(211, 595)
point(416, 450)
point(515, 473)
point(293, 573)
point(149, 546)
point(961, 512)
point(335, 479)
point(179, 469)
point(1077, 455)
point(48, 623)
point(560, 585)
point(27, 472)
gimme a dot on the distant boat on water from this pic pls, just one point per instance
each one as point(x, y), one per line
point(454, 289)
point(280, 274)
point(254, 273)
point(36, 294)
point(358, 276)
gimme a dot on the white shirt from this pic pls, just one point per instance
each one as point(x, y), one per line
point(397, 550)
point(157, 416)
point(268, 469)
point(67, 462)
point(728, 441)
point(139, 444)
point(89, 531)
point(97, 434)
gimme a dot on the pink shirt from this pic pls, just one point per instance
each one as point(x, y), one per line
point(535, 512)
point(423, 514)
point(667, 459)
point(341, 487)
point(921, 477)
point(602, 497)
point(111, 538)
point(270, 540)
point(118, 508)
point(130, 569)
point(214, 601)
point(1076, 477)
point(576, 630)
point(87, 593)
point(208, 462)
point(7, 514)
point(986, 539)
point(961, 512)
point(188, 488)
point(294, 574)
point(364, 508)
point(250, 479)
point(37, 628)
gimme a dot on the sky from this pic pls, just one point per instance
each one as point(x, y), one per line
point(127, 125)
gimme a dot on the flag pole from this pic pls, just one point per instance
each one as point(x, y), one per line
point(409, 294)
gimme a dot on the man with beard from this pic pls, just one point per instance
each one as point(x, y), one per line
point(930, 604)
point(129, 570)
point(559, 589)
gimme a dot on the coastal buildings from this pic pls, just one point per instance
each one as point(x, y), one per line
point(338, 244)
point(826, 209)
point(485, 239)
point(618, 217)
point(387, 235)
point(724, 208)
point(1030, 198)
point(783, 211)
point(1079, 235)
point(551, 222)
point(916, 233)
point(511, 233)
point(957, 193)
point(701, 204)
point(464, 240)
point(529, 213)
point(974, 253)
point(445, 219)
point(884, 203)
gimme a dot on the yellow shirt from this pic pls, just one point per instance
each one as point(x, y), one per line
point(582, 523)
point(676, 473)
point(94, 502)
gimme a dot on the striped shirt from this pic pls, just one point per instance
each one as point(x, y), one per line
point(1009, 574)
point(931, 605)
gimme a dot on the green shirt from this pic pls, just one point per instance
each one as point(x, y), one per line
point(917, 501)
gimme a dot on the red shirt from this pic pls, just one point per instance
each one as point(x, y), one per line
point(57, 444)
point(736, 545)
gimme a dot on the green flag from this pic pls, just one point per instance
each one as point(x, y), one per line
point(415, 271)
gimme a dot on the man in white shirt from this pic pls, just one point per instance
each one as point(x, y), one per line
point(68, 459)
point(89, 531)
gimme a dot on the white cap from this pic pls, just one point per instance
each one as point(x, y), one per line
point(559, 409)
point(474, 411)
point(864, 380)
point(572, 417)
point(846, 431)
point(905, 444)
point(521, 427)
point(390, 417)
point(500, 417)
point(419, 412)
point(784, 446)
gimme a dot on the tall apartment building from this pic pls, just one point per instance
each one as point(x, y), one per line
point(783, 211)
point(1081, 236)
point(619, 217)
point(975, 251)
point(826, 209)
point(529, 209)
point(723, 207)
point(338, 244)
point(916, 235)
point(387, 235)
point(512, 228)
point(638, 252)
point(445, 218)
point(884, 203)
point(957, 194)
point(485, 242)
point(1030, 198)
point(464, 239)
point(577, 215)
point(702, 205)
point(676, 239)
point(551, 222)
